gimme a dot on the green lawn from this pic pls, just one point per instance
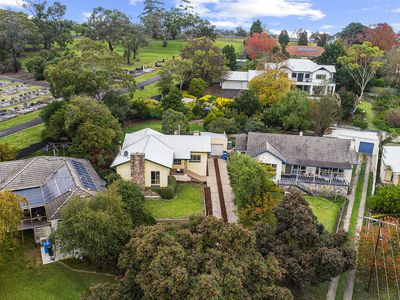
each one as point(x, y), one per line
point(146, 76)
point(19, 120)
point(326, 211)
point(22, 276)
point(370, 114)
point(25, 137)
point(357, 201)
point(236, 42)
point(148, 91)
point(188, 201)
point(154, 52)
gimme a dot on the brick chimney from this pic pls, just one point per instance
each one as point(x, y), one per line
point(137, 169)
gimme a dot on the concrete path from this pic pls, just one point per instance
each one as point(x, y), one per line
point(212, 183)
point(20, 127)
point(349, 283)
point(226, 188)
point(228, 193)
point(346, 223)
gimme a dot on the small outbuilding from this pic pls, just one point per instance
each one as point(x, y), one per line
point(390, 165)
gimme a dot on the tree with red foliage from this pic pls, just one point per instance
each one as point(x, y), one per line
point(382, 36)
point(259, 43)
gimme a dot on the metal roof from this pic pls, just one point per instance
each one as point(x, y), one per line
point(391, 157)
point(161, 148)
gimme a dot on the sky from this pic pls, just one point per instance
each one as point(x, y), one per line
point(312, 15)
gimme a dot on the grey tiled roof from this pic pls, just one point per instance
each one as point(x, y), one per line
point(302, 150)
point(40, 172)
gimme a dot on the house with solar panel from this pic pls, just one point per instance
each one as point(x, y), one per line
point(149, 157)
point(47, 183)
point(317, 80)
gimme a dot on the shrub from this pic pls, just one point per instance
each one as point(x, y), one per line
point(392, 118)
point(174, 121)
point(222, 102)
point(221, 125)
point(197, 87)
point(185, 94)
point(361, 123)
point(386, 200)
point(169, 191)
point(147, 108)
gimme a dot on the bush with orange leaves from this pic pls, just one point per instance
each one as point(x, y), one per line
point(258, 44)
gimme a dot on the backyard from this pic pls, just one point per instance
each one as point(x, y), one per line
point(22, 276)
point(188, 201)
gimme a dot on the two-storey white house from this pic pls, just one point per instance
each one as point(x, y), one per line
point(317, 80)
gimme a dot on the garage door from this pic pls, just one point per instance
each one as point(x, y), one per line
point(232, 85)
point(217, 149)
point(366, 148)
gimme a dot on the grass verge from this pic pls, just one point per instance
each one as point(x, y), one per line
point(188, 201)
point(24, 138)
point(357, 201)
point(19, 120)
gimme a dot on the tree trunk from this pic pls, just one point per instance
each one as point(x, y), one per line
point(110, 46)
point(128, 56)
point(15, 61)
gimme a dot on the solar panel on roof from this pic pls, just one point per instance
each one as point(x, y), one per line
point(307, 49)
point(84, 175)
point(33, 195)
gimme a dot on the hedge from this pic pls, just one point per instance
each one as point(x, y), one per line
point(169, 191)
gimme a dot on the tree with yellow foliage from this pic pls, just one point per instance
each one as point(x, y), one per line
point(10, 215)
point(270, 86)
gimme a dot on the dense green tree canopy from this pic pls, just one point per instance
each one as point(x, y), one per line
point(386, 200)
point(107, 25)
point(90, 68)
point(173, 100)
point(229, 53)
point(284, 38)
point(10, 216)
point(307, 252)
point(174, 121)
point(255, 192)
point(207, 58)
point(98, 226)
point(256, 27)
point(204, 259)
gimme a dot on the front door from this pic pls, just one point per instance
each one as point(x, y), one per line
point(300, 77)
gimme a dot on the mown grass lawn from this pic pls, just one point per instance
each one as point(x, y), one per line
point(370, 114)
point(148, 91)
point(19, 120)
point(24, 138)
point(22, 276)
point(188, 201)
point(326, 211)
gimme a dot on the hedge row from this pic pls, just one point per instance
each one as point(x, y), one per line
point(169, 191)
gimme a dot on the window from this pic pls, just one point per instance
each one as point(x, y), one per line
point(321, 76)
point(294, 75)
point(177, 161)
point(155, 177)
point(307, 75)
point(195, 158)
point(298, 170)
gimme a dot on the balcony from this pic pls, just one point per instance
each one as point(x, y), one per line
point(292, 179)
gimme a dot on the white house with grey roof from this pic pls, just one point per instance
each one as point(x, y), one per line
point(149, 157)
point(47, 183)
point(317, 80)
point(390, 165)
point(314, 164)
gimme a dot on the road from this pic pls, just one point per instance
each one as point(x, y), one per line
point(143, 83)
point(20, 127)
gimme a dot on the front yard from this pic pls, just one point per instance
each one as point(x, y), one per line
point(188, 201)
point(326, 211)
point(22, 276)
